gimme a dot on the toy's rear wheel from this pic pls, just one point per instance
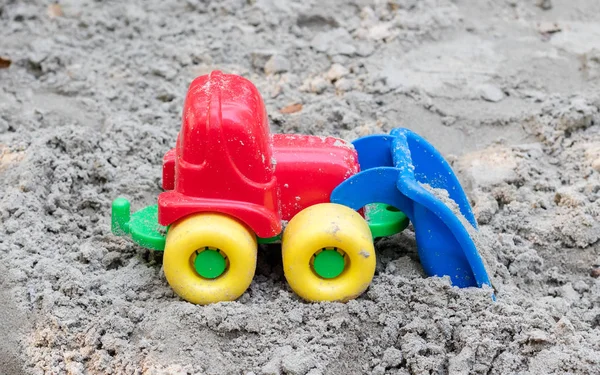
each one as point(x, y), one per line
point(328, 253)
point(209, 257)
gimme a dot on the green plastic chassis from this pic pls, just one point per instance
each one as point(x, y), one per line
point(144, 229)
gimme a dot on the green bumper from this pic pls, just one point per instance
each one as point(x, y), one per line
point(142, 225)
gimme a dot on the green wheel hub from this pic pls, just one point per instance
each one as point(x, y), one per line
point(210, 263)
point(329, 264)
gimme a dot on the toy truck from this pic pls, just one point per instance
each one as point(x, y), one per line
point(231, 185)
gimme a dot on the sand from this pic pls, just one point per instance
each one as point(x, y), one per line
point(92, 99)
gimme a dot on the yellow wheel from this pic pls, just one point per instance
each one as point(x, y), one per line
point(328, 253)
point(209, 257)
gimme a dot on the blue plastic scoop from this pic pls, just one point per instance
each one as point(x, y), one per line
point(393, 169)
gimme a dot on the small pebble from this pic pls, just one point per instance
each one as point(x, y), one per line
point(537, 336)
point(277, 64)
point(490, 93)
point(258, 58)
point(380, 31)
point(298, 363)
point(596, 165)
point(318, 85)
point(595, 272)
point(336, 72)
point(545, 4)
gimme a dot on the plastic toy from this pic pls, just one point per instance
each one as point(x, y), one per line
point(230, 185)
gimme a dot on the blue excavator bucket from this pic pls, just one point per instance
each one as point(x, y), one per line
point(394, 170)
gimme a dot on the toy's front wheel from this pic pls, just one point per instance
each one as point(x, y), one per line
point(209, 258)
point(328, 253)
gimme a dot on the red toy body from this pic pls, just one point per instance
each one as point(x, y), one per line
point(227, 161)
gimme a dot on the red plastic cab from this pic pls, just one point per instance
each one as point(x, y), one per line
point(309, 168)
point(225, 160)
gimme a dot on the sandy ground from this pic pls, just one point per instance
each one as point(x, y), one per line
point(507, 90)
